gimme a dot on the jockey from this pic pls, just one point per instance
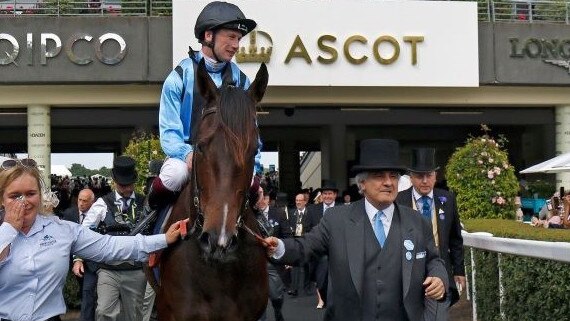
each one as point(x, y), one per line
point(219, 28)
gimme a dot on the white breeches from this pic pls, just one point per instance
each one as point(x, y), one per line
point(174, 174)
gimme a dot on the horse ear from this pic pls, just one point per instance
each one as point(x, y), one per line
point(257, 88)
point(206, 87)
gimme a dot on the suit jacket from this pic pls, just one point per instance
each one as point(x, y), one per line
point(340, 234)
point(449, 232)
point(305, 221)
point(276, 217)
point(71, 214)
point(316, 214)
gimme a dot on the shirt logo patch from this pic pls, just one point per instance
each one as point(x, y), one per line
point(47, 240)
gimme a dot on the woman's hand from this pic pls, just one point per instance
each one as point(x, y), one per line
point(173, 233)
point(14, 213)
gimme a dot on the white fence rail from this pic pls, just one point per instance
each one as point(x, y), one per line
point(555, 251)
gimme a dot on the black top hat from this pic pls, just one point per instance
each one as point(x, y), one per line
point(124, 171)
point(328, 185)
point(423, 160)
point(379, 155)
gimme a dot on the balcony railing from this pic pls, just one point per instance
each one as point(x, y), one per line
point(528, 11)
point(87, 7)
point(518, 11)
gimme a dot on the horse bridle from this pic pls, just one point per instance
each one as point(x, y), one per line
point(198, 224)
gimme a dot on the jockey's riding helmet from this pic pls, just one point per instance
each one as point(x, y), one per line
point(219, 14)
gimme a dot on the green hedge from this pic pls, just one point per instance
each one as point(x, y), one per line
point(534, 289)
point(71, 292)
point(516, 230)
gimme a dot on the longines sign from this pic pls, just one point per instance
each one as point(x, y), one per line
point(351, 43)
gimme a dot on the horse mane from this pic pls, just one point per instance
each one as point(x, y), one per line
point(235, 119)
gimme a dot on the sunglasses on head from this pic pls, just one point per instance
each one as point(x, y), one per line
point(26, 162)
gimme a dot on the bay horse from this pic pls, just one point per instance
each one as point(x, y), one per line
point(220, 271)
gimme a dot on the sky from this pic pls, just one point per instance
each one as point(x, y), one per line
point(98, 160)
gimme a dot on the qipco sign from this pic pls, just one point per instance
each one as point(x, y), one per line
point(51, 46)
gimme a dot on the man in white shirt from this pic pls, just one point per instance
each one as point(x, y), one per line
point(299, 222)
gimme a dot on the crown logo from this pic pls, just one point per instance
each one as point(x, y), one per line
point(251, 54)
point(560, 63)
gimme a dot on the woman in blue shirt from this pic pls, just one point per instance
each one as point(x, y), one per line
point(35, 248)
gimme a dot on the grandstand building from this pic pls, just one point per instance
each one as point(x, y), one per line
point(82, 78)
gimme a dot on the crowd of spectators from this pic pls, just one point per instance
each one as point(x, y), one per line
point(67, 188)
point(554, 214)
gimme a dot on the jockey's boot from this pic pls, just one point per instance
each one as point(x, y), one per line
point(277, 305)
point(158, 197)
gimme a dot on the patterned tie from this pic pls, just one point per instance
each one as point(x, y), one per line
point(379, 228)
point(125, 207)
point(426, 208)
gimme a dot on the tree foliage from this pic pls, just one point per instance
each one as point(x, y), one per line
point(143, 148)
point(80, 170)
point(481, 176)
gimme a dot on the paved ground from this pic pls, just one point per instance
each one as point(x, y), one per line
point(304, 309)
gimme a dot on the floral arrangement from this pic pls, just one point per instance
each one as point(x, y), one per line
point(481, 176)
point(143, 148)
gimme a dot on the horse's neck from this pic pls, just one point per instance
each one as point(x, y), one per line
point(183, 208)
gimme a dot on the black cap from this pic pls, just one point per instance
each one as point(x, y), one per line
point(219, 14)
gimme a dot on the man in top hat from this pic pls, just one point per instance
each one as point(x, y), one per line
point(383, 261)
point(329, 192)
point(120, 286)
point(438, 207)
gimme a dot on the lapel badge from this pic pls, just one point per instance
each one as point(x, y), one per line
point(441, 217)
point(409, 245)
point(408, 256)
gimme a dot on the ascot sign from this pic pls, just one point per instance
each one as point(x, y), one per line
point(51, 45)
point(326, 44)
point(350, 42)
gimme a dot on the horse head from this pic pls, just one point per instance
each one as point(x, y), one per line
point(225, 148)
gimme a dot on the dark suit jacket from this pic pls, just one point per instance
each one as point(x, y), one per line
point(340, 234)
point(449, 232)
point(276, 217)
point(305, 221)
point(316, 214)
point(71, 214)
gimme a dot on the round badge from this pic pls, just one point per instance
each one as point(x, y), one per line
point(408, 255)
point(441, 216)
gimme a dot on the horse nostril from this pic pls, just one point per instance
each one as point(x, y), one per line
point(205, 243)
point(233, 242)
